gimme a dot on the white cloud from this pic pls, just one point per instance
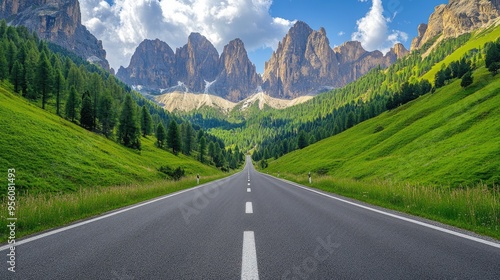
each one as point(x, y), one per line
point(373, 31)
point(341, 33)
point(125, 24)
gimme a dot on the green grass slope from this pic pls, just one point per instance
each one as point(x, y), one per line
point(451, 138)
point(477, 42)
point(51, 154)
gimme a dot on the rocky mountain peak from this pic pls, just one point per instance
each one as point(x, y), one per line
point(399, 50)
point(302, 64)
point(197, 62)
point(58, 21)
point(456, 18)
point(238, 77)
point(152, 65)
point(349, 51)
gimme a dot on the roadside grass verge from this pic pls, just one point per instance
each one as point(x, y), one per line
point(474, 208)
point(39, 212)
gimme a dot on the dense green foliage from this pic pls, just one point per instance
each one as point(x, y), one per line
point(447, 138)
point(51, 154)
point(62, 83)
point(273, 133)
point(129, 130)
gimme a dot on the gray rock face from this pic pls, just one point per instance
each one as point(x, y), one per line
point(237, 79)
point(58, 21)
point(196, 62)
point(196, 66)
point(153, 66)
point(303, 64)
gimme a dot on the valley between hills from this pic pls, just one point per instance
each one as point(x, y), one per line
point(414, 131)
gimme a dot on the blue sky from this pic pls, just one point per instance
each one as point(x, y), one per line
point(123, 24)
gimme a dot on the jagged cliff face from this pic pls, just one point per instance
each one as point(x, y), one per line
point(238, 78)
point(196, 67)
point(354, 61)
point(305, 64)
point(58, 21)
point(197, 62)
point(301, 65)
point(153, 65)
point(456, 18)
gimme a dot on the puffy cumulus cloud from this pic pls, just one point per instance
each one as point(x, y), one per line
point(126, 23)
point(373, 30)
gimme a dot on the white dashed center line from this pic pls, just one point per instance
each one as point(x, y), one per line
point(249, 190)
point(249, 270)
point(248, 208)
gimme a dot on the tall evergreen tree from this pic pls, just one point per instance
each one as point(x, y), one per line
point(44, 78)
point(58, 89)
point(467, 80)
point(4, 66)
point(30, 75)
point(174, 137)
point(75, 78)
point(86, 116)
point(492, 54)
point(107, 115)
point(72, 105)
point(128, 130)
point(146, 122)
point(17, 76)
point(302, 141)
point(161, 135)
point(202, 148)
point(96, 87)
point(187, 132)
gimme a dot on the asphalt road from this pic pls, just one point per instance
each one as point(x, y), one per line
point(252, 226)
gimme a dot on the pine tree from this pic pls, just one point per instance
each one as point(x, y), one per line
point(350, 120)
point(128, 130)
point(174, 137)
point(146, 122)
point(17, 76)
point(107, 115)
point(203, 148)
point(75, 78)
point(302, 141)
point(492, 55)
point(467, 80)
point(161, 135)
point(86, 116)
point(4, 66)
point(44, 78)
point(188, 137)
point(30, 75)
point(58, 89)
point(72, 105)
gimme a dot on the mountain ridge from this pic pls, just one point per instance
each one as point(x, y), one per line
point(57, 21)
point(303, 64)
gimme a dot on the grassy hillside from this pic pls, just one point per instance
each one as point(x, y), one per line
point(450, 137)
point(436, 157)
point(477, 42)
point(65, 173)
point(52, 154)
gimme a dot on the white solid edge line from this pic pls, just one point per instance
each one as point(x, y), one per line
point(249, 190)
point(248, 208)
point(486, 242)
point(52, 232)
point(249, 269)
